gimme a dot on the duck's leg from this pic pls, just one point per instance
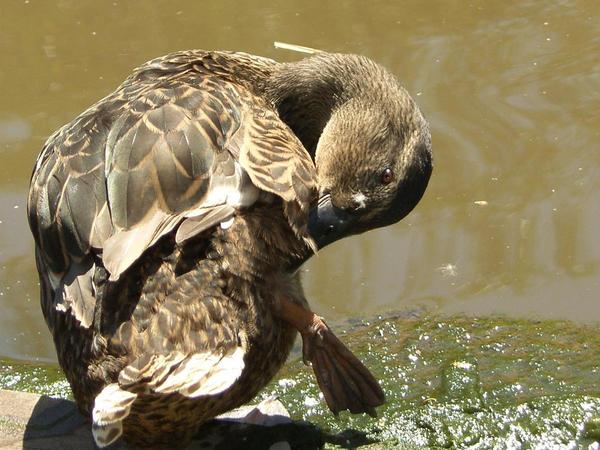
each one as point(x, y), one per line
point(345, 382)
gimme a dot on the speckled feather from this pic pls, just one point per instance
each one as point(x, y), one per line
point(163, 147)
point(169, 144)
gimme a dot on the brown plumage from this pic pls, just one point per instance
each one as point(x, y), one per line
point(171, 216)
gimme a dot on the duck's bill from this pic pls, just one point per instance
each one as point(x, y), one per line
point(328, 223)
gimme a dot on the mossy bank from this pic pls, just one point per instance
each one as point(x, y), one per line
point(450, 382)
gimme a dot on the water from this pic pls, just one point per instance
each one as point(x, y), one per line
point(509, 222)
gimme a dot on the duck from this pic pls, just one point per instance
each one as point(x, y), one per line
point(171, 218)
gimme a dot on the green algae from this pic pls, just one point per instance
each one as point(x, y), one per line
point(43, 379)
point(468, 383)
point(450, 382)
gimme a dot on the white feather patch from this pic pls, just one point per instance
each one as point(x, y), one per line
point(205, 374)
point(107, 434)
point(111, 407)
point(226, 224)
point(360, 199)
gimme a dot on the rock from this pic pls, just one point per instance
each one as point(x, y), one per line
point(41, 422)
point(34, 421)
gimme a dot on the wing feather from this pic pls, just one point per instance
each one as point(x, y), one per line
point(180, 137)
point(194, 225)
point(277, 162)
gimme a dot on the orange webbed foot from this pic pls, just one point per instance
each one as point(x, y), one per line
point(345, 382)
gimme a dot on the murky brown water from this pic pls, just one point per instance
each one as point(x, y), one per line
point(511, 219)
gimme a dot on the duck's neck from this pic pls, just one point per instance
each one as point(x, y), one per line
point(307, 92)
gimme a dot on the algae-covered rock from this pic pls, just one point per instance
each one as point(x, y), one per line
point(450, 382)
point(468, 383)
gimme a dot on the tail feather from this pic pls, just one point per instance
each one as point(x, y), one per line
point(111, 407)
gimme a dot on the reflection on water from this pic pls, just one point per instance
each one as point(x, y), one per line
point(509, 222)
point(14, 130)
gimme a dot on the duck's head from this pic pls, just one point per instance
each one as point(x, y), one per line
point(373, 164)
point(370, 142)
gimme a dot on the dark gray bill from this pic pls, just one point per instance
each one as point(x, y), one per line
point(328, 223)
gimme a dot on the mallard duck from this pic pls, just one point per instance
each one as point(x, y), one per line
point(170, 219)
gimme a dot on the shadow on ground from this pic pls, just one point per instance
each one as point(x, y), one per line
point(41, 422)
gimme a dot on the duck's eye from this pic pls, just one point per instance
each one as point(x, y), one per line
point(387, 176)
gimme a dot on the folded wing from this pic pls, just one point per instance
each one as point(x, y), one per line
point(180, 143)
